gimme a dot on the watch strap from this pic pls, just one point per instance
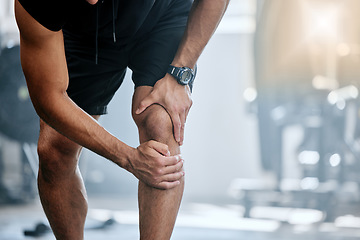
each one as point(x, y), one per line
point(174, 71)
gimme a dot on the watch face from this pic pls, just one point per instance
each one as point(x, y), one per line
point(186, 76)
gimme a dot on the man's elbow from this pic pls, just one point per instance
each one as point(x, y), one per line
point(46, 105)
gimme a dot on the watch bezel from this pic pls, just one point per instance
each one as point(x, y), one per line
point(186, 79)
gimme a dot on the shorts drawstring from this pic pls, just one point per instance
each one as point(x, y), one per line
point(97, 29)
point(97, 34)
point(113, 20)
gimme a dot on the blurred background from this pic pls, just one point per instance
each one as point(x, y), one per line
point(272, 144)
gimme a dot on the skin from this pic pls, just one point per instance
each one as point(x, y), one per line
point(158, 209)
point(66, 128)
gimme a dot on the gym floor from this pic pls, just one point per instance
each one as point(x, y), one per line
point(196, 221)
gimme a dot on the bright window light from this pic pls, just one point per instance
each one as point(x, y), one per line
point(335, 160)
point(322, 20)
point(309, 157)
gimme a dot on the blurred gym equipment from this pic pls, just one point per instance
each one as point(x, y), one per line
point(18, 123)
point(306, 75)
point(18, 119)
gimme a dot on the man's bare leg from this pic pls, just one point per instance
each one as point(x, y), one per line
point(158, 208)
point(61, 188)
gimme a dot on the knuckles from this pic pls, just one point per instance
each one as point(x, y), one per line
point(159, 172)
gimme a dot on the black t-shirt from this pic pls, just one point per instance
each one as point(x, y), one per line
point(78, 16)
point(50, 14)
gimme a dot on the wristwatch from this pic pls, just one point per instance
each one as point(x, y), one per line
point(183, 75)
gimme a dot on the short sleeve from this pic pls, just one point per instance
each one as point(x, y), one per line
point(49, 13)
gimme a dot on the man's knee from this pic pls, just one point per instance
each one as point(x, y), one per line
point(57, 157)
point(155, 123)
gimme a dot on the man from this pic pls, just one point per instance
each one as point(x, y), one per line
point(70, 85)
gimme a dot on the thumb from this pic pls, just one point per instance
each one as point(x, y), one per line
point(161, 148)
point(145, 103)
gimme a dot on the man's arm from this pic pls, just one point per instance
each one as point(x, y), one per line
point(44, 64)
point(205, 16)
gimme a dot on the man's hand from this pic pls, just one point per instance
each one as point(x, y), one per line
point(175, 98)
point(153, 165)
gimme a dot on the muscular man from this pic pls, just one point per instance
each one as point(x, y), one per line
point(74, 54)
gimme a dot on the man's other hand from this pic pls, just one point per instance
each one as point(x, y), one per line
point(175, 98)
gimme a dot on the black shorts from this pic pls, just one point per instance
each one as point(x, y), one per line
point(92, 86)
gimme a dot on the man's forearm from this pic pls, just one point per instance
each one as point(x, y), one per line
point(205, 16)
point(66, 117)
